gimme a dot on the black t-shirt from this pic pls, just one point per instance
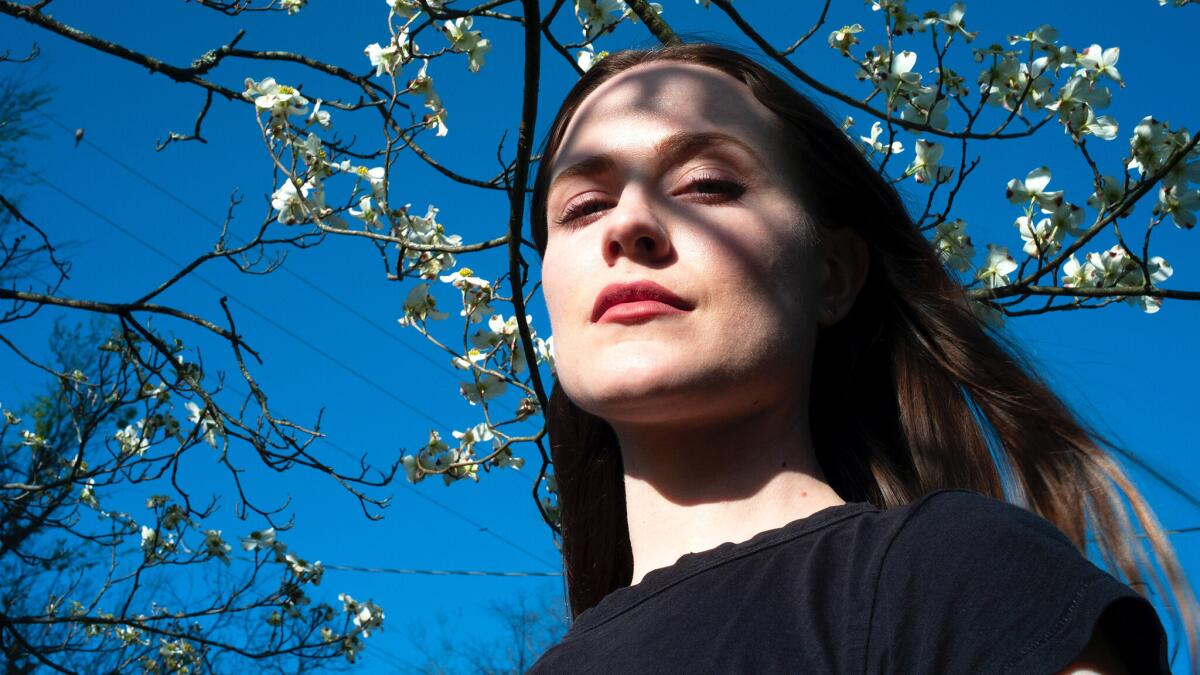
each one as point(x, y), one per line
point(954, 582)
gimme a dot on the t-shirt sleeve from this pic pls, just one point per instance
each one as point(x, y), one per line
point(974, 584)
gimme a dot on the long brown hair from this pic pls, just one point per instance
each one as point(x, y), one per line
point(916, 392)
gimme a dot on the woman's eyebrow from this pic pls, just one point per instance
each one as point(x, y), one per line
point(674, 148)
point(684, 144)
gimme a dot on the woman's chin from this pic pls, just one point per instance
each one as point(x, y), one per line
point(645, 394)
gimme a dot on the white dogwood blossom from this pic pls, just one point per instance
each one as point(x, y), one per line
point(279, 99)
point(476, 292)
point(1101, 62)
point(1041, 237)
point(952, 21)
point(209, 428)
point(1033, 189)
point(998, 266)
point(320, 117)
point(926, 108)
point(875, 145)
point(845, 37)
point(215, 546)
point(463, 39)
point(367, 616)
point(953, 245)
point(131, 439)
point(597, 16)
point(485, 388)
point(261, 540)
point(420, 306)
point(1181, 205)
point(291, 203)
point(587, 57)
point(925, 167)
point(407, 9)
point(387, 60)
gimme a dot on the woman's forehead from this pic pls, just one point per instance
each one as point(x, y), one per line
point(646, 102)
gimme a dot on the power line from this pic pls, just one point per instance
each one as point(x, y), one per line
point(454, 512)
point(474, 573)
point(212, 221)
point(386, 392)
point(308, 344)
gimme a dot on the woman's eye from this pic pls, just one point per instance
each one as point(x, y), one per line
point(712, 188)
point(579, 210)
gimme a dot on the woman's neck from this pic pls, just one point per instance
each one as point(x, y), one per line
point(692, 487)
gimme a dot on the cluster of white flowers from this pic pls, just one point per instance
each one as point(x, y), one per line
point(953, 245)
point(434, 457)
point(482, 433)
point(422, 85)
point(409, 9)
point(1151, 145)
point(1013, 79)
point(215, 546)
point(131, 635)
point(997, 267)
point(1082, 95)
point(293, 6)
point(367, 615)
point(471, 42)
point(87, 494)
point(302, 570)
point(438, 457)
point(280, 101)
point(388, 60)
point(476, 293)
point(902, 21)
point(1047, 218)
point(426, 231)
point(892, 73)
point(588, 57)
point(1116, 268)
point(501, 335)
point(210, 429)
point(132, 439)
point(32, 439)
point(420, 306)
point(155, 544)
point(295, 205)
point(844, 38)
point(598, 16)
point(1012, 82)
point(873, 143)
point(925, 167)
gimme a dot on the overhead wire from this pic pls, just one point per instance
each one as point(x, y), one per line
point(306, 343)
point(391, 335)
point(214, 222)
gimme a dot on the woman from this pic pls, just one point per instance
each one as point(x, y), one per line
point(769, 389)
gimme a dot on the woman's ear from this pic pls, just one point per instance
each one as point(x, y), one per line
point(845, 264)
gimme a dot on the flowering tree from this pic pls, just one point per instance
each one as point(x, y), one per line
point(921, 126)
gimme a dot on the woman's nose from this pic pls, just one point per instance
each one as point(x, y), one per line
point(633, 230)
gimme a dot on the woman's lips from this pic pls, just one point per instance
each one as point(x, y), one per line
point(636, 302)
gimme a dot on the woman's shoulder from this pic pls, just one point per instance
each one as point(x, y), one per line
point(983, 585)
point(954, 517)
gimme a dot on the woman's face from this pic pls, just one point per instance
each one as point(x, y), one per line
point(682, 278)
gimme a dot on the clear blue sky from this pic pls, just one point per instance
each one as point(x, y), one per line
point(1129, 373)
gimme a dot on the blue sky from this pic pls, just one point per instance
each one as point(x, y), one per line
point(327, 321)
